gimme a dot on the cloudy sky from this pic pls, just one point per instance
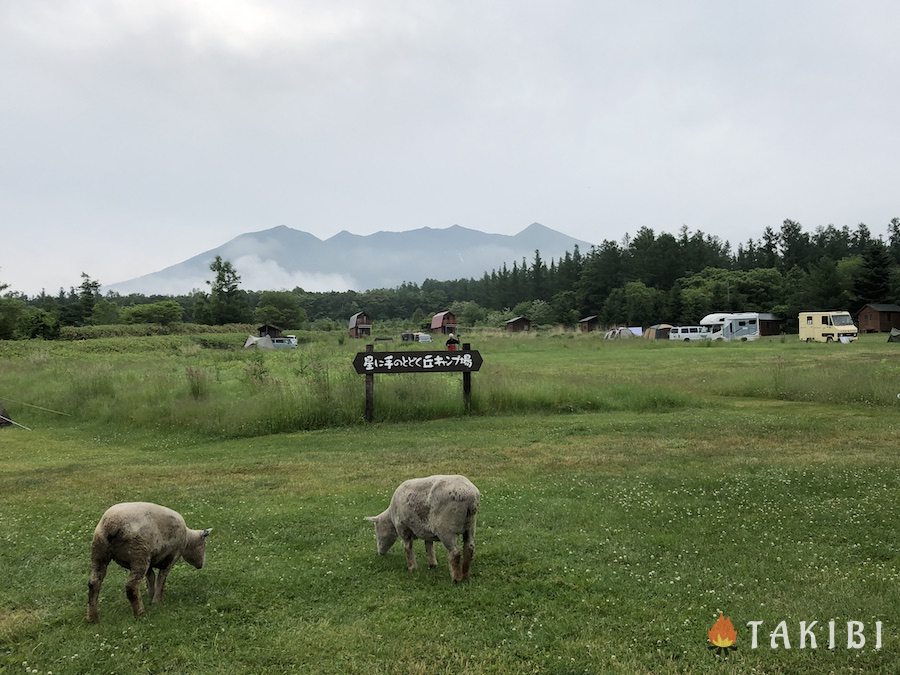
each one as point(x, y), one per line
point(136, 134)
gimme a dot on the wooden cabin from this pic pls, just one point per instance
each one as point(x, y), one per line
point(589, 324)
point(360, 325)
point(268, 330)
point(878, 318)
point(518, 324)
point(443, 322)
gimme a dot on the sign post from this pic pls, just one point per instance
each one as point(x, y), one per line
point(370, 363)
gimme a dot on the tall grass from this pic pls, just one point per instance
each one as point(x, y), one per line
point(176, 382)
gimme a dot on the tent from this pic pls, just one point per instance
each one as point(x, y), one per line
point(264, 342)
point(659, 331)
point(619, 334)
point(894, 336)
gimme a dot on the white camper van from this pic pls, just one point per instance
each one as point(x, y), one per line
point(741, 326)
point(827, 326)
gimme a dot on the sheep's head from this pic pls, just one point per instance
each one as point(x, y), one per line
point(195, 551)
point(385, 532)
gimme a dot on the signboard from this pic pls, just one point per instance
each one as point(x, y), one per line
point(371, 363)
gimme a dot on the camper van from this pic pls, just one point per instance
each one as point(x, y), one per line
point(827, 326)
point(741, 326)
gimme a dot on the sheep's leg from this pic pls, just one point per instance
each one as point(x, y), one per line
point(410, 554)
point(161, 581)
point(98, 572)
point(151, 583)
point(429, 553)
point(468, 551)
point(454, 555)
point(133, 587)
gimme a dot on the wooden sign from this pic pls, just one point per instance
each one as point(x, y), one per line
point(370, 363)
point(417, 362)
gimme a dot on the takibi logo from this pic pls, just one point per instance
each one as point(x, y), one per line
point(722, 635)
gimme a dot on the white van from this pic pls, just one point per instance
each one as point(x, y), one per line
point(689, 333)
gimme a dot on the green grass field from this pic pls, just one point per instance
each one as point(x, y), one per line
point(630, 492)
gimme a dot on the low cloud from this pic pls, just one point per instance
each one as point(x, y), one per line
point(259, 274)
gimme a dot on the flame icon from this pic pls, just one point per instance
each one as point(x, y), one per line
point(722, 635)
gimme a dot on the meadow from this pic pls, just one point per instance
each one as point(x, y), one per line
point(631, 492)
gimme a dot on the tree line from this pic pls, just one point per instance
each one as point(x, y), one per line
point(643, 279)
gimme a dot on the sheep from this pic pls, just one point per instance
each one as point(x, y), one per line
point(437, 507)
point(141, 537)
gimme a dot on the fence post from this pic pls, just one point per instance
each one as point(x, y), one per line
point(467, 384)
point(370, 391)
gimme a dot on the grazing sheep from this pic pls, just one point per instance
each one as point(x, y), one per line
point(141, 537)
point(437, 507)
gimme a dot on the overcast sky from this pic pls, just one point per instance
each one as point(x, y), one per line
point(136, 134)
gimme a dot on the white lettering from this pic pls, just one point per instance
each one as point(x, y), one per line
point(877, 635)
point(781, 631)
point(754, 626)
point(855, 629)
point(831, 635)
point(806, 630)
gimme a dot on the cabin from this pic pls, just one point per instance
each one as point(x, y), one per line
point(518, 324)
point(360, 325)
point(270, 331)
point(589, 324)
point(443, 322)
point(878, 318)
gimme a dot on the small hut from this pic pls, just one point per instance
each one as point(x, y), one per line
point(443, 322)
point(589, 324)
point(360, 325)
point(518, 324)
point(878, 318)
point(270, 331)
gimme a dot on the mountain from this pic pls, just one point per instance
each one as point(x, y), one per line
point(284, 258)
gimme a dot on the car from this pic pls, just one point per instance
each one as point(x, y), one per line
point(423, 337)
point(689, 333)
point(286, 342)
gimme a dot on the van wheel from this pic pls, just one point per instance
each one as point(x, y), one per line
point(808, 340)
point(687, 339)
point(829, 339)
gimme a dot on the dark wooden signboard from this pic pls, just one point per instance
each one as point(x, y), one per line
point(370, 363)
point(417, 362)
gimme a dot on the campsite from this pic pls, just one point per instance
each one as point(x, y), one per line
point(631, 491)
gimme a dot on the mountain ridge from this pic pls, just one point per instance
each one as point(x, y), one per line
point(282, 257)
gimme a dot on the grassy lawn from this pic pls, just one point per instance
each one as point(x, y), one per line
point(629, 494)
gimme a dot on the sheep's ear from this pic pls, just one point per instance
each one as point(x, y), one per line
point(372, 519)
point(206, 532)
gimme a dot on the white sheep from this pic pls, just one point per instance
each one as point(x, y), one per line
point(141, 537)
point(437, 507)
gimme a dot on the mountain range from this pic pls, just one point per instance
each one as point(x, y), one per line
point(284, 258)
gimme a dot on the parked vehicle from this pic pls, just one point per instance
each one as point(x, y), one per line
point(286, 342)
point(827, 326)
point(689, 333)
point(741, 326)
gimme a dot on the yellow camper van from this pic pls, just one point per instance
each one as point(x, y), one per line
point(827, 327)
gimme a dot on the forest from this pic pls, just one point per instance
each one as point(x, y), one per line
point(643, 279)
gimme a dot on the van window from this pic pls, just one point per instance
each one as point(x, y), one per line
point(809, 321)
point(824, 320)
point(693, 330)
